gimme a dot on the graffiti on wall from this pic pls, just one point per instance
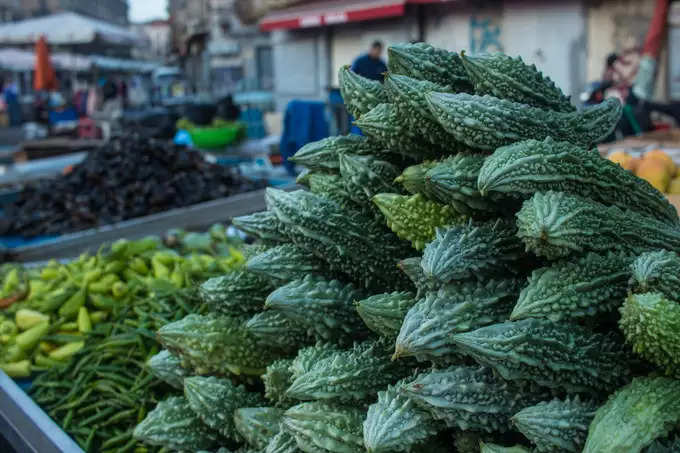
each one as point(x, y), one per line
point(485, 35)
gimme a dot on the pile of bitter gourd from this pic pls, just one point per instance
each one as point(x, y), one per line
point(470, 275)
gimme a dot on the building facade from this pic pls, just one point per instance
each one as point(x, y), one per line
point(114, 11)
point(156, 34)
point(10, 10)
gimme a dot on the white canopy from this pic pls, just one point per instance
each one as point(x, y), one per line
point(64, 29)
point(24, 60)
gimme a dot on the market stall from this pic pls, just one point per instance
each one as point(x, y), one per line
point(469, 275)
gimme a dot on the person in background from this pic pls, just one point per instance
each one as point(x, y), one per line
point(371, 65)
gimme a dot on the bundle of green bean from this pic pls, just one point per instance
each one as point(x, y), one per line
point(101, 395)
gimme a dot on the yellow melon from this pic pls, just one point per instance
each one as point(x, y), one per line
point(622, 158)
point(661, 156)
point(654, 172)
point(674, 186)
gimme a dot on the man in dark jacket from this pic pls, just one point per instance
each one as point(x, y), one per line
point(371, 65)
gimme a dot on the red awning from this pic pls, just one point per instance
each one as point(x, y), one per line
point(330, 12)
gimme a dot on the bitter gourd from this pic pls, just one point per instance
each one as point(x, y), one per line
point(214, 400)
point(173, 425)
point(365, 176)
point(319, 427)
point(510, 78)
point(471, 250)
point(414, 181)
point(236, 293)
point(307, 357)
point(355, 245)
point(286, 262)
point(645, 409)
point(215, 344)
point(413, 217)
point(425, 62)
point(283, 442)
point(263, 225)
point(487, 122)
point(384, 313)
point(669, 445)
point(413, 269)
point(395, 423)
point(258, 425)
point(428, 326)
point(324, 307)
point(359, 93)
point(558, 425)
point(168, 368)
point(495, 448)
point(351, 375)
point(471, 398)
point(323, 154)
point(384, 125)
point(454, 181)
point(555, 225)
point(555, 355)
point(572, 289)
point(274, 330)
point(657, 271)
point(651, 324)
point(532, 166)
point(276, 381)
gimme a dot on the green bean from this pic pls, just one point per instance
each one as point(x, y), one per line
point(67, 420)
point(115, 440)
point(97, 416)
point(89, 440)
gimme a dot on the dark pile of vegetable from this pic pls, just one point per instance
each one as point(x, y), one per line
point(127, 178)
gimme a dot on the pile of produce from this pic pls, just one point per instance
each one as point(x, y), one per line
point(127, 178)
point(654, 166)
point(47, 312)
point(468, 276)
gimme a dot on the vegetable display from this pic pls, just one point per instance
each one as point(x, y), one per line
point(484, 311)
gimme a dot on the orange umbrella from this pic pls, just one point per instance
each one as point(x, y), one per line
point(45, 78)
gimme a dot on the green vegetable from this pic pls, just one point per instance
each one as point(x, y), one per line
point(413, 269)
point(413, 218)
point(324, 428)
point(273, 329)
point(286, 262)
point(554, 355)
point(258, 425)
point(651, 324)
point(236, 293)
point(172, 424)
point(454, 181)
point(323, 155)
point(29, 339)
point(556, 425)
point(20, 369)
point(307, 357)
point(657, 271)
point(532, 166)
point(25, 318)
point(66, 351)
point(510, 78)
point(572, 289)
point(645, 409)
point(366, 176)
point(414, 181)
point(359, 93)
point(168, 368)
point(384, 313)
point(263, 225)
point(428, 325)
point(323, 307)
point(470, 118)
point(276, 381)
point(425, 62)
point(555, 225)
point(395, 423)
point(345, 376)
point(283, 442)
point(214, 400)
point(472, 250)
point(494, 448)
point(215, 344)
point(73, 304)
point(354, 245)
point(84, 321)
point(470, 398)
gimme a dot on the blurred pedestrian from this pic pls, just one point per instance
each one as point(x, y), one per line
point(371, 64)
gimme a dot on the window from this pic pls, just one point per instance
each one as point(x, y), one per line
point(265, 68)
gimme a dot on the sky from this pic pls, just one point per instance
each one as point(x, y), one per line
point(143, 10)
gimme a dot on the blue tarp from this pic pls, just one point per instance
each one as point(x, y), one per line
point(304, 122)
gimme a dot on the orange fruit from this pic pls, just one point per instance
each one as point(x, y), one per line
point(662, 157)
point(654, 172)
